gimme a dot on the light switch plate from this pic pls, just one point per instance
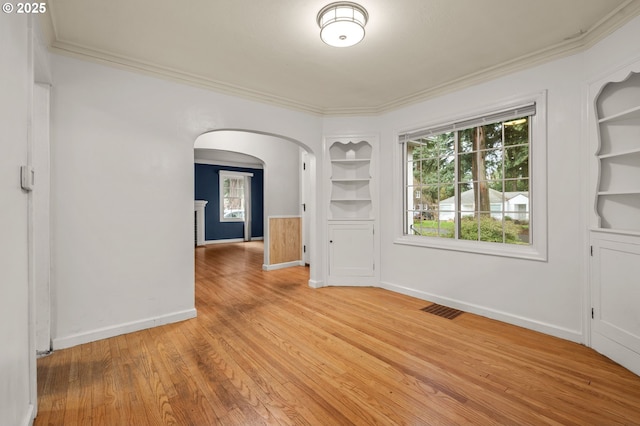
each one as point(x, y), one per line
point(27, 178)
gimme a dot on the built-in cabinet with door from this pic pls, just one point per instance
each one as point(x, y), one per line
point(614, 129)
point(351, 210)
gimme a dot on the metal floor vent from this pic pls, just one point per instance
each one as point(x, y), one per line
point(442, 311)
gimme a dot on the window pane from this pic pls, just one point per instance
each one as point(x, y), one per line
point(516, 162)
point(446, 143)
point(493, 136)
point(417, 153)
point(469, 228)
point(447, 192)
point(516, 131)
point(465, 143)
point(465, 167)
point(429, 197)
point(447, 169)
point(492, 164)
point(446, 228)
point(446, 205)
point(416, 167)
point(491, 229)
point(429, 170)
point(517, 185)
point(520, 227)
point(466, 198)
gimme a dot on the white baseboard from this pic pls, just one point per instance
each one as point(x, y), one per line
point(550, 329)
point(116, 330)
point(615, 351)
point(282, 265)
point(232, 240)
point(29, 416)
point(316, 284)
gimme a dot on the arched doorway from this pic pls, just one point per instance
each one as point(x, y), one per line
point(289, 178)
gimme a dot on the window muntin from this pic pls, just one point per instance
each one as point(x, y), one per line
point(464, 183)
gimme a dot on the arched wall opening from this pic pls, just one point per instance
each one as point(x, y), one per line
point(289, 179)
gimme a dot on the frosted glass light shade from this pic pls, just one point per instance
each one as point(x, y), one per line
point(342, 24)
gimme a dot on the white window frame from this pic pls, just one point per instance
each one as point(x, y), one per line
point(537, 250)
point(226, 174)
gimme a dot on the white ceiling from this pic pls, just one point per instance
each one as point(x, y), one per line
point(270, 50)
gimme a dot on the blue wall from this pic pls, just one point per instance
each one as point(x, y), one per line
point(207, 187)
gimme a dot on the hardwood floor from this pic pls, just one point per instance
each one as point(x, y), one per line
point(267, 349)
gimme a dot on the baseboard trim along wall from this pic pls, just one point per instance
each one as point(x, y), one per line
point(552, 330)
point(232, 240)
point(30, 416)
point(116, 330)
point(282, 265)
point(316, 283)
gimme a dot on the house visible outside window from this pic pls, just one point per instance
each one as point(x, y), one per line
point(469, 184)
point(233, 193)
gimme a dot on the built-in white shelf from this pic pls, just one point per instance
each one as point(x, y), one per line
point(350, 163)
point(629, 114)
point(354, 161)
point(621, 153)
point(627, 192)
point(618, 156)
point(350, 180)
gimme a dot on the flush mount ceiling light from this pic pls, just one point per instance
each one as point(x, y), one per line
point(342, 23)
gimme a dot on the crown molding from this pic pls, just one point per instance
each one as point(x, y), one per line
point(574, 44)
point(571, 45)
point(129, 64)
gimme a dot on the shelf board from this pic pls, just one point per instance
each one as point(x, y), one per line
point(351, 160)
point(632, 232)
point(627, 192)
point(342, 200)
point(621, 153)
point(624, 115)
point(351, 180)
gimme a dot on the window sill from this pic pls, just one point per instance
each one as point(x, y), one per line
point(528, 252)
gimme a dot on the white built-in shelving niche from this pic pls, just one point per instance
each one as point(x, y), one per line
point(618, 192)
point(350, 181)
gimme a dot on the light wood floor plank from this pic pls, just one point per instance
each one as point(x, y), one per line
point(267, 349)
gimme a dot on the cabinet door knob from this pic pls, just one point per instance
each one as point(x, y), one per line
point(330, 241)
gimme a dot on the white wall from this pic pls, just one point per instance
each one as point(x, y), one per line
point(619, 49)
point(546, 296)
point(16, 350)
point(122, 175)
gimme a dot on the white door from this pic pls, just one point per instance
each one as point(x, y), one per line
point(351, 249)
point(305, 198)
point(615, 271)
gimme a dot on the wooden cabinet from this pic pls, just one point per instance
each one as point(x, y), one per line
point(351, 212)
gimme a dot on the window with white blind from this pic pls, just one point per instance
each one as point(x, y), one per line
point(478, 183)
